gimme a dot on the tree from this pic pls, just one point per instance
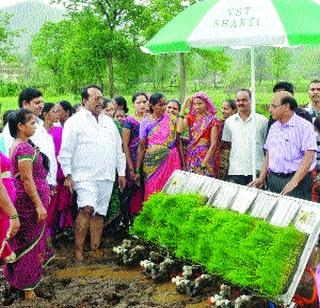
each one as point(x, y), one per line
point(279, 63)
point(159, 13)
point(122, 20)
point(215, 62)
point(6, 36)
point(49, 48)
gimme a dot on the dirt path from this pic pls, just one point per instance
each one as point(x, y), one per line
point(102, 283)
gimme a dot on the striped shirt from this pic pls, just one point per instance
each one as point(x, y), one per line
point(318, 152)
point(312, 111)
point(287, 143)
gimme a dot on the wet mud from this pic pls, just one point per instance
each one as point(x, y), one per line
point(100, 282)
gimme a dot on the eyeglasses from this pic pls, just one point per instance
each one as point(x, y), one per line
point(96, 99)
point(273, 106)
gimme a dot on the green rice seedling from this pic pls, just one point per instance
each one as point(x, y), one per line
point(242, 249)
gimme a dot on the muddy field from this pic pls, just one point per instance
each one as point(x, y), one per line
point(100, 282)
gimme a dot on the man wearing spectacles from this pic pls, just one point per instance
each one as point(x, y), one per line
point(290, 150)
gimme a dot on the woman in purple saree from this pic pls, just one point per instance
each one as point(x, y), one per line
point(158, 151)
point(30, 168)
point(130, 140)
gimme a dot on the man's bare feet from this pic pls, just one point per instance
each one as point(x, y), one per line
point(29, 295)
point(96, 253)
point(79, 255)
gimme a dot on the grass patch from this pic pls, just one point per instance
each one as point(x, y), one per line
point(244, 250)
point(217, 95)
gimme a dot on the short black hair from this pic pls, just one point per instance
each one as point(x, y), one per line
point(121, 101)
point(245, 90)
point(173, 100)
point(22, 116)
point(314, 81)
point(155, 98)
point(283, 85)
point(67, 107)
point(106, 101)
point(27, 95)
point(289, 100)
point(46, 108)
point(136, 95)
point(84, 91)
point(232, 103)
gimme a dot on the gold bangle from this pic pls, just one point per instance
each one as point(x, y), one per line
point(34, 194)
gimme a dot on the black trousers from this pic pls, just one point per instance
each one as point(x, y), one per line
point(302, 191)
point(242, 179)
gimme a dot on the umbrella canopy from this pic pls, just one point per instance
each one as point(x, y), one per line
point(240, 23)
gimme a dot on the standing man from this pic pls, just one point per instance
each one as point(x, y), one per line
point(238, 131)
point(314, 95)
point(90, 154)
point(288, 86)
point(290, 150)
point(32, 100)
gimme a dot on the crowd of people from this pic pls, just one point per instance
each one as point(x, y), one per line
point(112, 162)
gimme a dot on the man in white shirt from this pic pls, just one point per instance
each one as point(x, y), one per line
point(32, 100)
point(238, 131)
point(91, 153)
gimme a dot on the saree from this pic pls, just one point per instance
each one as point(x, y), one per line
point(29, 243)
point(6, 253)
point(59, 210)
point(114, 208)
point(200, 137)
point(134, 191)
point(161, 157)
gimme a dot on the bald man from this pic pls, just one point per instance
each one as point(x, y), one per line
point(290, 150)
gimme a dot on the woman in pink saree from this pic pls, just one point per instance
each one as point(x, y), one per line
point(9, 218)
point(59, 211)
point(158, 152)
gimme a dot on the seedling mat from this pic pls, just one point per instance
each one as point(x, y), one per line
point(276, 209)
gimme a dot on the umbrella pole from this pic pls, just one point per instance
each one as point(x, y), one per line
point(253, 113)
point(182, 65)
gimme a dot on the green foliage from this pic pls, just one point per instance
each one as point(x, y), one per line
point(6, 37)
point(280, 59)
point(8, 88)
point(242, 249)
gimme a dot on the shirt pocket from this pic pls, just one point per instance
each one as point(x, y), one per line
point(87, 136)
point(292, 151)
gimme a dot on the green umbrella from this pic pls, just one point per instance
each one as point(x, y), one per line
point(240, 24)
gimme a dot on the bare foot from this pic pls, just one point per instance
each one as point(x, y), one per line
point(29, 295)
point(79, 255)
point(96, 253)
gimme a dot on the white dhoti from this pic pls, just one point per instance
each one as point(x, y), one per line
point(95, 194)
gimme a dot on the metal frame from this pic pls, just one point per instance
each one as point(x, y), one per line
point(282, 211)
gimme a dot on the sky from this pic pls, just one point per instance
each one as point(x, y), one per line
point(6, 3)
